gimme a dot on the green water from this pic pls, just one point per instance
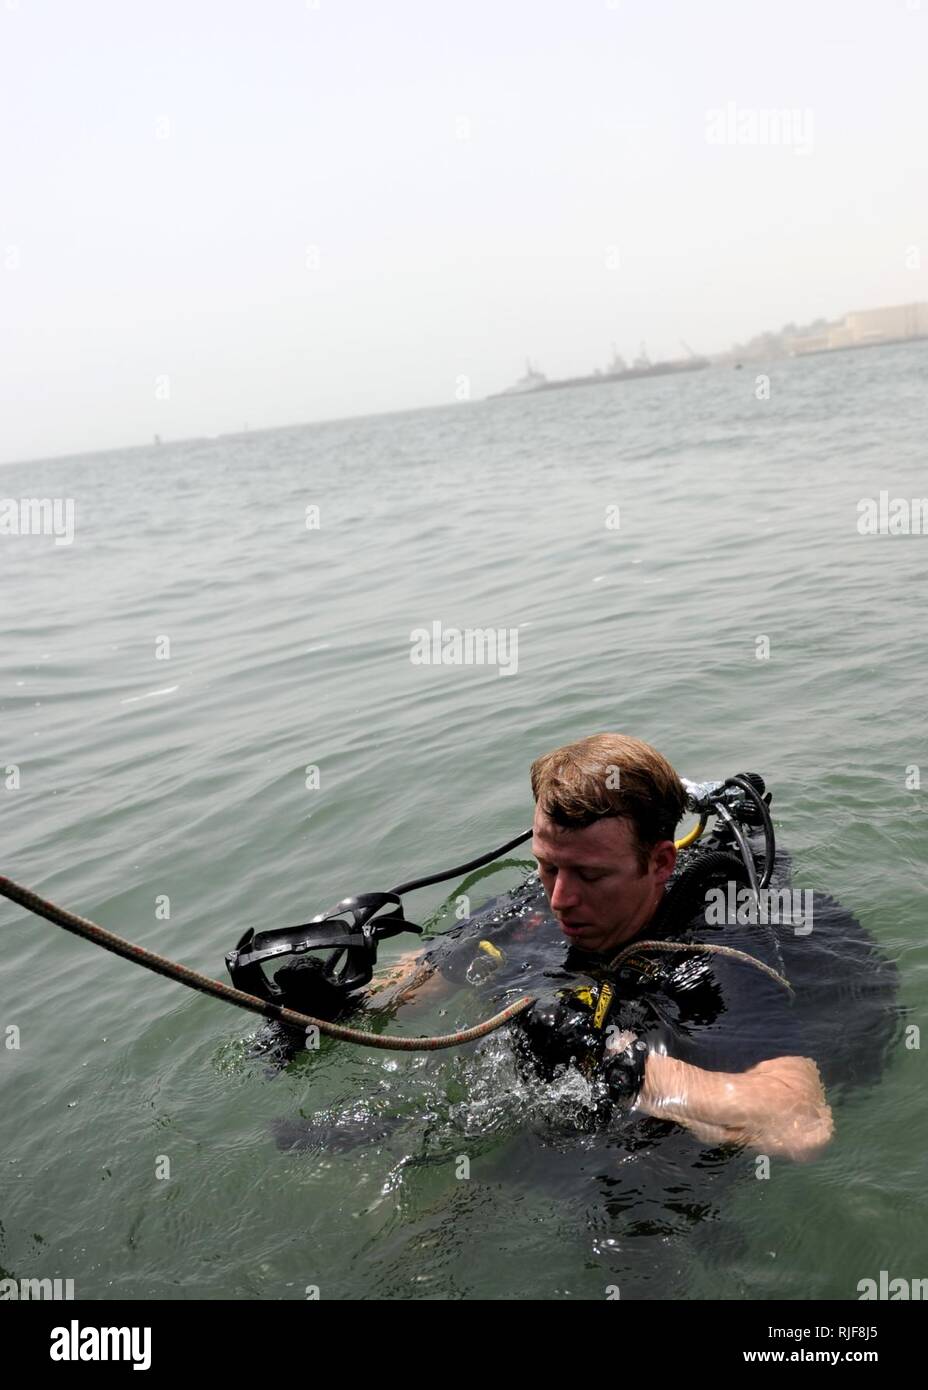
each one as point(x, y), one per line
point(289, 648)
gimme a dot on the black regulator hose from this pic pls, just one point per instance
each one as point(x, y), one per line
point(770, 841)
point(462, 868)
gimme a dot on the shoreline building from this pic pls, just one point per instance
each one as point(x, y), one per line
point(899, 323)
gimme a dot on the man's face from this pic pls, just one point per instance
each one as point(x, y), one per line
point(594, 882)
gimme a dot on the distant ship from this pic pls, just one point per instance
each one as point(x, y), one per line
point(616, 371)
point(532, 381)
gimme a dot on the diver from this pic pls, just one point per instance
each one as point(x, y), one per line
point(705, 1039)
point(729, 1027)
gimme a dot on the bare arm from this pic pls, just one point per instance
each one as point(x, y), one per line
point(408, 975)
point(776, 1107)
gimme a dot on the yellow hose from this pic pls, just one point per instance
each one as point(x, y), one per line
point(693, 835)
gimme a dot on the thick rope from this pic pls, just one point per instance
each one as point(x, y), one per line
point(82, 926)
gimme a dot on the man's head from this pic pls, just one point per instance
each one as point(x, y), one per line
point(605, 814)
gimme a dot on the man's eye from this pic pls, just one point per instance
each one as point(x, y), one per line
point(591, 878)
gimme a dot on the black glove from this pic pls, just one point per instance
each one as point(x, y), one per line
point(592, 1029)
point(623, 1069)
point(558, 1029)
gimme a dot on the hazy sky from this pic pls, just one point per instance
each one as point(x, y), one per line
point(297, 211)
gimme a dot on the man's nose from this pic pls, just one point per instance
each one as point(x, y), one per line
point(564, 893)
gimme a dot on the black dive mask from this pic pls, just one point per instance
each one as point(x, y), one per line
point(325, 960)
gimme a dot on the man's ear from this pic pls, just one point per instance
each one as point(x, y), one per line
point(663, 859)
